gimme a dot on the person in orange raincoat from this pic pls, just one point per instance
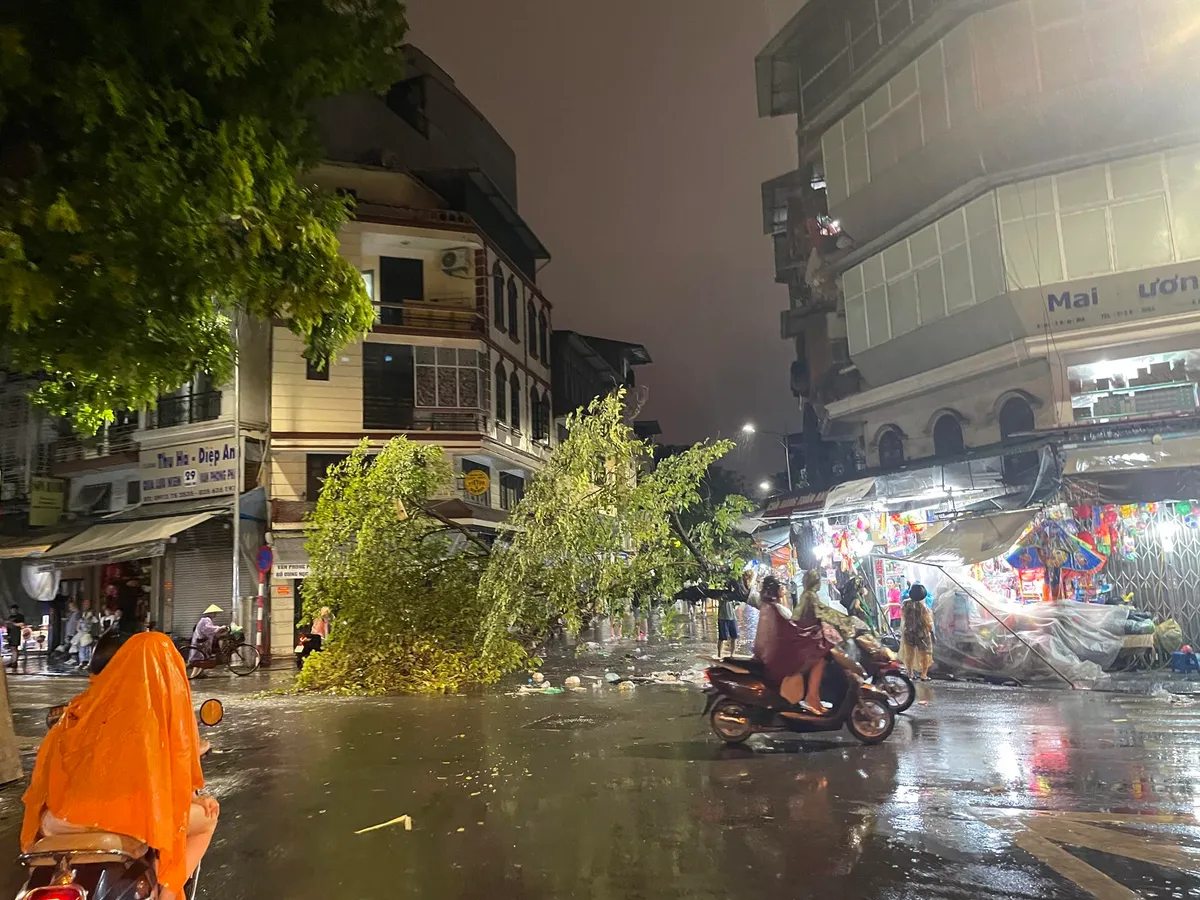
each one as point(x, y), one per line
point(125, 758)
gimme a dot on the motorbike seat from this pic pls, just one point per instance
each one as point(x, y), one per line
point(743, 665)
point(85, 846)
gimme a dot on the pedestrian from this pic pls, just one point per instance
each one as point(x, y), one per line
point(70, 626)
point(916, 639)
point(323, 623)
point(806, 605)
point(84, 642)
point(13, 633)
point(727, 604)
point(58, 612)
point(895, 605)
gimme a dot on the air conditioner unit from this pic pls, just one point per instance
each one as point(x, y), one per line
point(457, 262)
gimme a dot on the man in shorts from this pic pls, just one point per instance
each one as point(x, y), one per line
point(727, 612)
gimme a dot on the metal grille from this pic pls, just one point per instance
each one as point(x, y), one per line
point(1165, 582)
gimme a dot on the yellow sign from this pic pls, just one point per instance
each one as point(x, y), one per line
point(46, 500)
point(476, 482)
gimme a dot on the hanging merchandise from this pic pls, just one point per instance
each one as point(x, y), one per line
point(1051, 546)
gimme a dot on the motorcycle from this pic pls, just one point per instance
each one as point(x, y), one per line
point(308, 643)
point(743, 701)
point(885, 672)
point(98, 865)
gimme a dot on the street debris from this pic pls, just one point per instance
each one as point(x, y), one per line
point(406, 821)
point(573, 682)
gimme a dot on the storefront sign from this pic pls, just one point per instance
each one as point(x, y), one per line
point(182, 473)
point(47, 497)
point(476, 482)
point(284, 571)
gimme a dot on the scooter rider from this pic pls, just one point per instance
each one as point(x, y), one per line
point(791, 650)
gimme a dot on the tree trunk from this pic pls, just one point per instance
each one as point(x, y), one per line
point(10, 753)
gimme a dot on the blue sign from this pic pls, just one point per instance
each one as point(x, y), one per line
point(265, 559)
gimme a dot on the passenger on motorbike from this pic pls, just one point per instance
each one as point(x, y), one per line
point(793, 652)
point(125, 758)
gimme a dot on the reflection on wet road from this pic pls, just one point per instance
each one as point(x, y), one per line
point(611, 794)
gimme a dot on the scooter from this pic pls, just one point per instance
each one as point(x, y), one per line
point(885, 672)
point(99, 865)
point(743, 701)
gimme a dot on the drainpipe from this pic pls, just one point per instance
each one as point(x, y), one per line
point(237, 480)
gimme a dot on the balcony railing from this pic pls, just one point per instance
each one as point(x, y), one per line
point(187, 410)
point(109, 441)
point(427, 317)
point(387, 416)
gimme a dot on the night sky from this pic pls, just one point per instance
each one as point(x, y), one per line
point(640, 156)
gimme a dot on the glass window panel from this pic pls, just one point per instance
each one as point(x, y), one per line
point(855, 123)
point(1031, 252)
point(1063, 57)
point(426, 356)
point(952, 230)
point(1085, 244)
point(877, 106)
point(1083, 187)
point(906, 129)
point(904, 84)
point(960, 76)
point(933, 92)
point(1135, 177)
point(1185, 211)
point(981, 214)
point(1183, 170)
point(872, 270)
point(426, 386)
point(468, 358)
point(1005, 59)
point(923, 245)
point(902, 305)
point(858, 173)
point(896, 261)
point(881, 143)
point(468, 388)
point(446, 356)
point(856, 323)
point(877, 316)
point(986, 266)
point(852, 282)
point(931, 292)
point(834, 159)
point(1114, 39)
point(447, 387)
point(1029, 198)
point(1140, 234)
point(956, 269)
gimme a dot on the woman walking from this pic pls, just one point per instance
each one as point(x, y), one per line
point(916, 639)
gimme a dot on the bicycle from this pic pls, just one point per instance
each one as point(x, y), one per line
point(229, 650)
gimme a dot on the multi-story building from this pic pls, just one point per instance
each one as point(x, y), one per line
point(993, 230)
point(587, 367)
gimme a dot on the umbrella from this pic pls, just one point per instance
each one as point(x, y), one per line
point(1050, 546)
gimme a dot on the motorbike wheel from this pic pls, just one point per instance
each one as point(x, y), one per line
point(872, 720)
point(902, 693)
point(730, 722)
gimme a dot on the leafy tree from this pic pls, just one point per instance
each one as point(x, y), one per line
point(402, 583)
point(148, 186)
point(594, 529)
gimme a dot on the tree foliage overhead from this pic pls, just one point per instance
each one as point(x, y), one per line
point(149, 154)
point(594, 529)
point(401, 583)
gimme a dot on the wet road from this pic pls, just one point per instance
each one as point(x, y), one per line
point(625, 794)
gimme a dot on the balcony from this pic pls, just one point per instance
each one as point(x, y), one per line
point(186, 410)
point(427, 317)
point(385, 415)
point(72, 453)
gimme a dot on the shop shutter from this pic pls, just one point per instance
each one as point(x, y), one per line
point(203, 574)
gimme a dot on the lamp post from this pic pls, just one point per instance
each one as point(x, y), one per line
point(765, 486)
point(749, 429)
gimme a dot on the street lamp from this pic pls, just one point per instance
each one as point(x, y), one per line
point(765, 487)
point(749, 429)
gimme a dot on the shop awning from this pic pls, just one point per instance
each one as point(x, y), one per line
point(849, 496)
point(1137, 472)
point(1172, 453)
point(121, 541)
point(32, 545)
point(967, 542)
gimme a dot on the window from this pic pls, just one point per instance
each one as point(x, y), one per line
point(891, 449)
point(543, 339)
point(514, 402)
point(1016, 417)
point(948, 436)
point(535, 413)
point(501, 395)
point(316, 371)
point(512, 489)
point(498, 295)
point(448, 378)
point(388, 396)
point(484, 499)
point(401, 280)
point(531, 329)
point(514, 325)
point(133, 493)
point(317, 466)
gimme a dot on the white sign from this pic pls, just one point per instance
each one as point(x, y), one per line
point(284, 571)
point(203, 469)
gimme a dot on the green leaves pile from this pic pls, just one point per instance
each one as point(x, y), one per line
point(149, 155)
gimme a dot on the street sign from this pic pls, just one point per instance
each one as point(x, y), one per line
point(476, 482)
point(265, 559)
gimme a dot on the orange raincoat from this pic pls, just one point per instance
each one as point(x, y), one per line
point(125, 756)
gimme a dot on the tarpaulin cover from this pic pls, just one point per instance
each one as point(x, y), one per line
point(125, 757)
point(971, 541)
point(1080, 640)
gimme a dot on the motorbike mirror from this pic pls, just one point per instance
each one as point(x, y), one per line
point(54, 714)
point(211, 712)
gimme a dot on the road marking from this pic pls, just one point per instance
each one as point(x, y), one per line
point(1073, 868)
